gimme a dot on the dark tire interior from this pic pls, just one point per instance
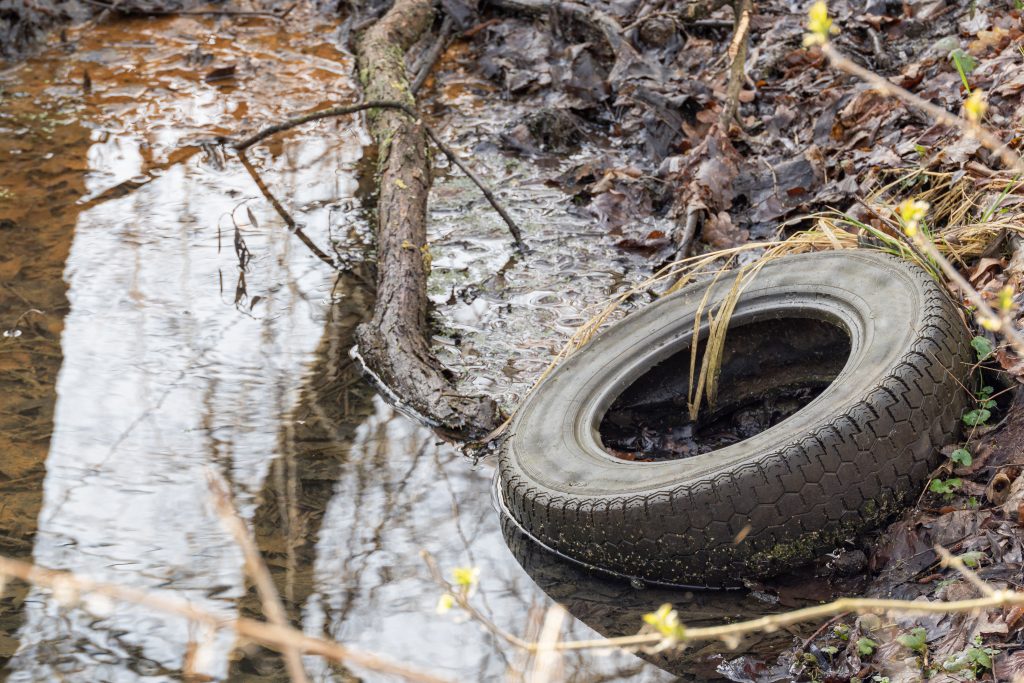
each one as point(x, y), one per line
point(770, 370)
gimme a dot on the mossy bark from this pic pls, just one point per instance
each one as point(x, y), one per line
point(395, 344)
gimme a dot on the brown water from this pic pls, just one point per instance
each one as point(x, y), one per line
point(159, 321)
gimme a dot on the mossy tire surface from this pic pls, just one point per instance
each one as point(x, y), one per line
point(842, 464)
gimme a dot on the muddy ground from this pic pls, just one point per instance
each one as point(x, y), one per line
point(632, 133)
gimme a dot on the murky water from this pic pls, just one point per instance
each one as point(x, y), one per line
point(160, 321)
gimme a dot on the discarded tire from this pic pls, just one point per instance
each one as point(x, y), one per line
point(870, 346)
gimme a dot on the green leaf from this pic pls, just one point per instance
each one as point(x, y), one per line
point(945, 487)
point(961, 456)
point(830, 649)
point(972, 559)
point(965, 64)
point(866, 647)
point(916, 640)
point(982, 347)
point(964, 61)
point(978, 416)
point(956, 663)
point(921, 150)
point(980, 657)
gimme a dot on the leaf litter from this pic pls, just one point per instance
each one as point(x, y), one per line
point(811, 149)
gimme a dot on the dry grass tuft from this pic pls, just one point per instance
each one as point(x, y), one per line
point(969, 217)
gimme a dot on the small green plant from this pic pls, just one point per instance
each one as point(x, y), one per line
point(842, 632)
point(866, 646)
point(961, 457)
point(973, 661)
point(977, 417)
point(982, 346)
point(945, 487)
point(965, 64)
point(916, 640)
point(996, 205)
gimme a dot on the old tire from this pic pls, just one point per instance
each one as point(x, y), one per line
point(843, 463)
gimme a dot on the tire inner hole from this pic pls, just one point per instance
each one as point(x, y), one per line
point(770, 370)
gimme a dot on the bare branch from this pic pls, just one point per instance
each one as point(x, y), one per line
point(68, 587)
point(295, 121)
point(950, 560)
point(273, 608)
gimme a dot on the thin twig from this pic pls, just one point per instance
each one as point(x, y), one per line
point(68, 587)
point(951, 560)
point(774, 622)
point(283, 213)
point(737, 61)
point(463, 602)
point(732, 633)
point(976, 132)
point(639, 21)
point(984, 311)
point(452, 157)
point(821, 629)
point(970, 129)
point(432, 55)
point(273, 608)
point(408, 111)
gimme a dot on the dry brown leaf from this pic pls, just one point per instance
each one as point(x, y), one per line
point(720, 232)
point(993, 38)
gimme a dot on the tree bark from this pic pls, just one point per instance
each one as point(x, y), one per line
point(394, 345)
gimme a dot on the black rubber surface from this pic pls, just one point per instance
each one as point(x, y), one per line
point(845, 462)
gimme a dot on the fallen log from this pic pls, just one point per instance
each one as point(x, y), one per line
point(394, 345)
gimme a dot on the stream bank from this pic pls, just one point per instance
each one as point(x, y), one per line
point(180, 326)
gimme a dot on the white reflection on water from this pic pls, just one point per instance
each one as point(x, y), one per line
point(165, 375)
point(168, 372)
